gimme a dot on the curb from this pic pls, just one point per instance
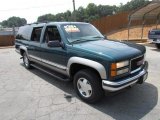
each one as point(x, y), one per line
point(5, 47)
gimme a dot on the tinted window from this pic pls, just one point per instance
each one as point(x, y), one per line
point(36, 34)
point(24, 33)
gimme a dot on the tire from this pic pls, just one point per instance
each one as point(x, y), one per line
point(157, 45)
point(88, 86)
point(26, 61)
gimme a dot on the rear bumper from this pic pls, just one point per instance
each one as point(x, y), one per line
point(138, 78)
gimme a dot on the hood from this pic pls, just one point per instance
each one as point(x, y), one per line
point(112, 49)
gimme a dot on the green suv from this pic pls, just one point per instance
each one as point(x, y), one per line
point(78, 52)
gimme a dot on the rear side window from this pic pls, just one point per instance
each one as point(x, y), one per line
point(36, 34)
point(24, 33)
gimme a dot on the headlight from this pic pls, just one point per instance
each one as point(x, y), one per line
point(122, 64)
point(119, 72)
point(117, 68)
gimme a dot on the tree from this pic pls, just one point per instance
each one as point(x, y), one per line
point(46, 18)
point(104, 10)
point(81, 14)
point(14, 21)
point(92, 12)
point(67, 16)
point(132, 5)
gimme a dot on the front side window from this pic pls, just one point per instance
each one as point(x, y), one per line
point(52, 34)
point(81, 32)
point(36, 34)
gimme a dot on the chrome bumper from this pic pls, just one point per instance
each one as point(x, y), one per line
point(155, 41)
point(115, 86)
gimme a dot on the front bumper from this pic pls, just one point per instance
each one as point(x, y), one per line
point(125, 82)
point(157, 40)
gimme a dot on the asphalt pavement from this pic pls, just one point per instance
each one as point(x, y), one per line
point(34, 95)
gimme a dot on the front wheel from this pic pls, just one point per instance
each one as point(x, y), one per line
point(88, 86)
point(158, 45)
point(26, 61)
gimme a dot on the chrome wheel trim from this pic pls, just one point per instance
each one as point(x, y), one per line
point(84, 87)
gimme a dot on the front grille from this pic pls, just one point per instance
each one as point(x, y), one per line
point(136, 63)
point(157, 32)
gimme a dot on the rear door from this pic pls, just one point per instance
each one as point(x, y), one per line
point(34, 44)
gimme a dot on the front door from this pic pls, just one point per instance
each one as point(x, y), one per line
point(53, 57)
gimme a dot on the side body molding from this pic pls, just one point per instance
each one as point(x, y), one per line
point(93, 64)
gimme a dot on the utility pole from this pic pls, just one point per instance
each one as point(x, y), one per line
point(74, 11)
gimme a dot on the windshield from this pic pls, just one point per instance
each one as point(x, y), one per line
point(81, 32)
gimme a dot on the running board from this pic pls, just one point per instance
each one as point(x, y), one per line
point(50, 72)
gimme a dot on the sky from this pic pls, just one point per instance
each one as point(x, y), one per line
point(31, 9)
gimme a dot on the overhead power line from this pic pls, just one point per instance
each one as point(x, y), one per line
point(33, 7)
point(36, 7)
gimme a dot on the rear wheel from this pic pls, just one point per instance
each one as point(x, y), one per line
point(158, 45)
point(88, 86)
point(26, 61)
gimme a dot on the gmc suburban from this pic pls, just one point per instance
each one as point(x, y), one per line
point(78, 52)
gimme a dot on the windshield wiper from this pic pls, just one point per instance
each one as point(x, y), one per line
point(81, 40)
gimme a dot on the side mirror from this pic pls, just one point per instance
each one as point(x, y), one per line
point(54, 43)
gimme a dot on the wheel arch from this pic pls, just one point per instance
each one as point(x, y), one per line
point(22, 50)
point(82, 63)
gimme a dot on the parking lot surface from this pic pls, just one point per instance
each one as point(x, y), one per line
point(34, 95)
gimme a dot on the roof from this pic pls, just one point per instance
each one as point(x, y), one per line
point(61, 23)
point(53, 23)
point(149, 11)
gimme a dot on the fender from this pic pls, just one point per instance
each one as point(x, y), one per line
point(22, 47)
point(90, 63)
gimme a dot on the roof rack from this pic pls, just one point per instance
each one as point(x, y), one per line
point(38, 23)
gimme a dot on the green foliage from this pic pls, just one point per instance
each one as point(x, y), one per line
point(66, 16)
point(45, 18)
point(92, 12)
point(88, 14)
point(14, 21)
point(132, 5)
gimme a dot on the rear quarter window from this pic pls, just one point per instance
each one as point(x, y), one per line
point(24, 33)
